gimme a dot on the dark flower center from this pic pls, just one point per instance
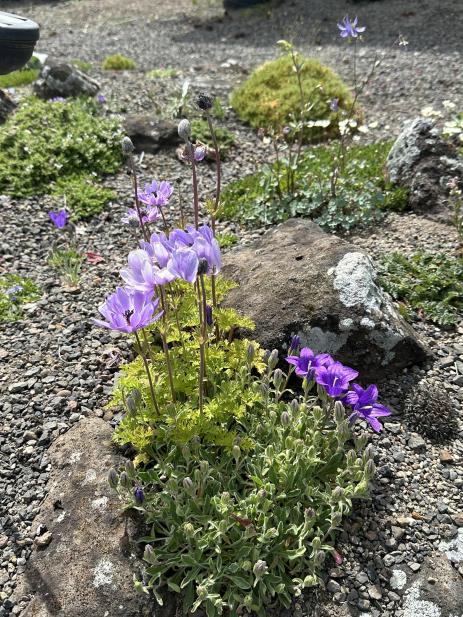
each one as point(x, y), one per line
point(128, 314)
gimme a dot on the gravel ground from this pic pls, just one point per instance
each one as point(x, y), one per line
point(56, 367)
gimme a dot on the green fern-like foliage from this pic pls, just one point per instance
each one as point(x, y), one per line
point(270, 97)
point(431, 285)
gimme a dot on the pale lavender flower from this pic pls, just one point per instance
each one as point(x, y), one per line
point(59, 218)
point(184, 264)
point(156, 193)
point(101, 99)
point(58, 99)
point(142, 274)
point(200, 153)
point(128, 311)
point(12, 291)
point(334, 104)
point(350, 28)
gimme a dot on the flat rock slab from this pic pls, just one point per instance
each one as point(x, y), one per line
point(298, 279)
point(151, 134)
point(61, 79)
point(84, 559)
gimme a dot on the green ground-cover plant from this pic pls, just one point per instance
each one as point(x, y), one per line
point(226, 240)
point(82, 196)
point(118, 62)
point(225, 138)
point(428, 285)
point(270, 97)
point(45, 142)
point(68, 263)
point(362, 193)
point(15, 291)
point(82, 65)
point(162, 73)
point(18, 78)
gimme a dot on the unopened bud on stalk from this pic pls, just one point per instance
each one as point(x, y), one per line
point(278, 378)
point(273, 359)
point(264, 389)
point(260, 568)
point(189, 530)
point(130, 468)
point(285, 418)
point(338, 493)
point(339, 412)
point(351, 457)
point(148, 552)
point(294, 405)
point(139, 496)
point(370, 469)
point(320, 557)
point(204, 467)
point(251, 352)
point(368, 454)
point(184, 130)
point(236, 451)
point(336, 519)
point(188, 484)
point(125, 480)
point(309, 513)
point(127, 146)
point(204, 101)
point(262, 493)
point(113, 478)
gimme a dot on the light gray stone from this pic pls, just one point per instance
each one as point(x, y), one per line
point(66, 80)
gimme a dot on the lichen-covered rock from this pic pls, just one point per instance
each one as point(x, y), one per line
point(151, 134)
point(422, 162)
point(299, 280)
point(66, 80)
point(85, 557)
point(435, 591)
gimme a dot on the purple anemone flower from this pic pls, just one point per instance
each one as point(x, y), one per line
point(142, 274)
point(350, 28)
point(364, 405)
point(59, 218)
point(156, 193)
point(307, 362)
point(335, 378)
point(184, 264)
point(128, 311)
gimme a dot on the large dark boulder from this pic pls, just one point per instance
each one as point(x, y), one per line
point(151, 134)
point(66, 80)
point(85, 558)
point(7, 105)
point(422, 162)
point(299, 280)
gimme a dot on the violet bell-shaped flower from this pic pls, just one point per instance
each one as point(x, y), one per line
point(307, 362)
point(335, 378)
point(128, 311)
point(60, 218)
point(364, 405)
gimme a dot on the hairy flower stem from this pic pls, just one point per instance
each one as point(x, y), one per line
point(147, 369)
point(195, 183)
point(144, 226)
point(202, 340)
point(165, 347)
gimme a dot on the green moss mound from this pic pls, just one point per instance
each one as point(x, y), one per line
point(18, 78)
point(44, 142)
point(270, 97)
point(118, 62)
point(84, 198)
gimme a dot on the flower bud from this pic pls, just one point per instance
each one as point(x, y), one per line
point(361, 441)
point(262, 493)
point(338, 493)
point(320, 557)
point(260, 568)
point(236, 451)
point(124, 480)
point(278, 378)
point(339, 413)
point(285, 418)
point(148, 552)
point(251, 352)
point(139, 496)
point(223, 526)
point(246, 566)
point(204, 467)
point(113, 478)
point(199, 153)
point(184, 130)
point(351, 457)
point(129, 468)
point(189, 530)
point(204, 101)
point(370, 468)
point(336, 519)
point(295, 341)
point(203, 266)
point(294, 405)
point(316, 543)
point(127, 146)
point(188, 484)
point(273, 359)
point(264, 389)
point(369, 453)
point(309, 513)
point(209, 319)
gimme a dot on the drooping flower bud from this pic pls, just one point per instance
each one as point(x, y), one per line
point(139, 496)
point(351, 457)
point(200, 153)
point(369, 453)
point(184, 130)
point(113, 478)
point(260, 568)
point(273, 359)
point(337, 557)
point(204, 101)
point(127, 146)
point(285, 418)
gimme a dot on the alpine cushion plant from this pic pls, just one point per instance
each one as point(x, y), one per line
point(242, 481)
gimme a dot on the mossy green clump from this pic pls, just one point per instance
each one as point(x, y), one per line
point(18, 78)
point(84, 198)
point(361, 194)
point(225, 138)
point(46, 142)
point(428, 285)
point(15, 291)
point(82, 65)
point(162, 73)
point(118, 62)
point(270, 97)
